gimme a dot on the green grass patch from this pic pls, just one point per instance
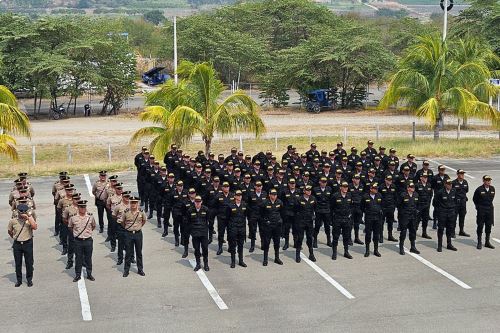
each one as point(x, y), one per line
point(50, 159)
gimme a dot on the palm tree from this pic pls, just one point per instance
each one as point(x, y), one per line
point(195, 106)
point(435, 78)
point(13, 121)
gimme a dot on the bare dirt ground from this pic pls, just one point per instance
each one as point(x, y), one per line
point(286, 122)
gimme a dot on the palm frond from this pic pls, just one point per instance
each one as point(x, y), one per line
point(7, 147)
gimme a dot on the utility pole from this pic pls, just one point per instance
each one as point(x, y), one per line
point(175, 50)
point(445, 24)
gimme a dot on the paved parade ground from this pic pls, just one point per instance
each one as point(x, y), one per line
point(439, 292)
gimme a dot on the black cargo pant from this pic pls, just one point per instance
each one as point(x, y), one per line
point(322, 219)
point(446, 220)
point(83, 253)
point(100, 212)
point(307, 228)
point(387, 219)
point(166, 212)
point(253, 220)
point(288, 223)
point(423, 217)
point(357, 219)
point(461, 212)
point(71, 246)
point(341, 225)
point(112, 225)
point(63, 233)
point(57, 221)
point(484, 218)
point(372, 226)
point(177, 224)
point(185, 232)
point(25, 249)
point(407, 223)
point(200, 243)
point(221, 228)
point(133, 241)
point(270, 231)
point(236, 238)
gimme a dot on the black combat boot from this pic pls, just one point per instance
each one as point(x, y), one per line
point(264, 261)
point(64, 251)
point(176, 240)
point(401, 247)
point(334, 252)
point(391, 237)
point(205, 264)
point(367, 250)
point(69, 264)
point(297, 255)
point(210, 238)
point(198, 266)
point(286, 246)
point(233, 260)
point(150, 216)
point(252, 245)
point(463, 233)
point(240, 260)
point(479, 241)
point(440, 242)
point(346, 253)
point(315, 241)
point(450, 246)
point(356, 238)
point(311, 255)
point(185, 254)
point(277, 259)
point(159, 224)
point(413, 249)
point(375, 249)
point(219, 251)
point(328, 240)
point(487, 242)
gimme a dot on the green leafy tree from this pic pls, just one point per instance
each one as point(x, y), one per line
point(194, 106)
point(154, 16)
point(12, 121)
point(436, 77)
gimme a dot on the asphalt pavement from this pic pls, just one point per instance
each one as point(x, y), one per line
point(434, 292)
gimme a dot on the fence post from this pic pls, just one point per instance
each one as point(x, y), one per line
point(241, 143)
point(33, 155)
point(345, 135)
point(109, 152)
point(70, 158)
point(413, 129)
point(276, 141)
point(458, 130)
point(377, 133)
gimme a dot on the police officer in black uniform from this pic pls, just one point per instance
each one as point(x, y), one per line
point(236, 228)
point(290, 197)
point(198, 220)
point(462, 188)
point(446, 201)
point(322, 194)
point(271, 226)
point(407, 217)
point(179, 196)
point(424, 190)
point(389, 202)
point(483, 200)
point(255, 199)
point(341, 205)
point(357, 191)
point(223, 199)
point(371, 205)
point(305, 208)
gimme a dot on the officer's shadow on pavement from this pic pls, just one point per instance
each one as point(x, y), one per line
point(430, 244)
point(391, 246)
point(467, 241)
point(11, 277)
point(184, 262)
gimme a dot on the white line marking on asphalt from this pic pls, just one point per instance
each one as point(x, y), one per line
point(496, 240)
point(327, 277)
point(89, 185)
point(436, 162)
point(211, 290)
point(437, 269)
point(84, 298)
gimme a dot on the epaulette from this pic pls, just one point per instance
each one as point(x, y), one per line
point(126, 210)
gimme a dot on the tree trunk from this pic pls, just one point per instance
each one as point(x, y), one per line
point(208, 144)
point(74, 107)
point(437, 126)
point(464, 123)
point(34, 104)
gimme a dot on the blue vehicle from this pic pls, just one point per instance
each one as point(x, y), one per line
point(155, 76)
point(321, 99)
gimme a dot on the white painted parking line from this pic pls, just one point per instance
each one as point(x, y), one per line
point(496, 240)
point(327, 277)
point(436, 162)
point(437, 269)
point(211, 290)
point(89, 185)
point(84, 298)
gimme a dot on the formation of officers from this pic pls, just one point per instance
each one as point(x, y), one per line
point(299, 195)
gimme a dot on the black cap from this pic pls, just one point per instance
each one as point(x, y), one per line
point(486, 177)
point(82, 203)
point(134, 199)
point(102, 173)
